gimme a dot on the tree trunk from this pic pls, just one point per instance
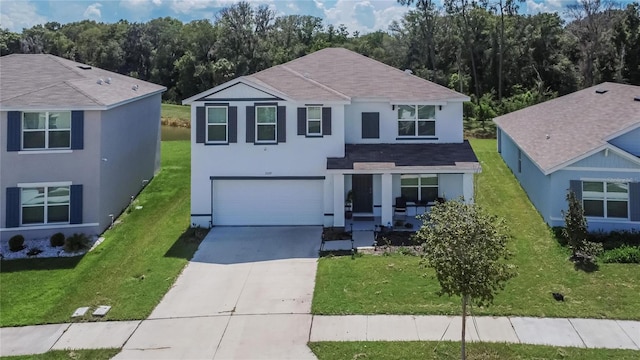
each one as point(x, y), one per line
point(464, 326)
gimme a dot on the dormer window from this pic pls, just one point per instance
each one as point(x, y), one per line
point(416, 120)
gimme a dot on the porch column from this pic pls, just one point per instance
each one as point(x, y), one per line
point(387, 200)
point(467, 187)
point(338, 200)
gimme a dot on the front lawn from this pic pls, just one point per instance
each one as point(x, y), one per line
point(451, 350)
point(131, 270)
point(397, 285)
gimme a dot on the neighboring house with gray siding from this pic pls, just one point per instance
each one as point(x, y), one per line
point(587, 142)
point(76, 142)
point(285, 146)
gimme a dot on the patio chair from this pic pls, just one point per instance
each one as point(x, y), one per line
point(400, 208)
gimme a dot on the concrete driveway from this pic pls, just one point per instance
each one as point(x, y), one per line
point(246, 294)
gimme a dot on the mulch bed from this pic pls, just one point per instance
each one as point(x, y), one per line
point(396, 238)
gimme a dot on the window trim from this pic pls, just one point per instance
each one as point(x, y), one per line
point(275, 125)
point(207, 124)
point(416, 122)
point(46, 187)
point(308, 133)
point(605, 199)
point(419, 186)
point(46, 130)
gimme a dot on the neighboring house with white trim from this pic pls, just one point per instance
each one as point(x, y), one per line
point(286, 145)
point(76, 142)
point(587, 142)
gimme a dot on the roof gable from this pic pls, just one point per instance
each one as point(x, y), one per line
point(561, 131)
point(239, 91)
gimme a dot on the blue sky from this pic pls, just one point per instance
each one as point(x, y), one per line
point(362, 15)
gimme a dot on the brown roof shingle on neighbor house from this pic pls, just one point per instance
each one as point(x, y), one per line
point(39, 81)
point(341, 74)
point(558, 131)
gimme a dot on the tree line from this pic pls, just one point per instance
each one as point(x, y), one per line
point(503, 59)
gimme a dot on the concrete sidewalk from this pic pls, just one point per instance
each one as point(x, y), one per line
point(589, 333)
point(195, 337)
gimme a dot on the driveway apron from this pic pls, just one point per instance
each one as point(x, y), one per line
point(246, 294)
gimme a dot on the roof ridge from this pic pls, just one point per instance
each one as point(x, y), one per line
point(68, 82)
point(314, 81)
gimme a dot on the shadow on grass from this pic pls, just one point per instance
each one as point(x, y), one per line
point(187, 244)
point(9, 266)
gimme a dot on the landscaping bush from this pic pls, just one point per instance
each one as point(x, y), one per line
point(76, 242)
point(16, 243)
point(622, 255)
point(56, 240)
point(609, 241)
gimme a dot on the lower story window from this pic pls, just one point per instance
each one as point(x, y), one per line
point(419, 188)
point(605, 199)
point(44, 205)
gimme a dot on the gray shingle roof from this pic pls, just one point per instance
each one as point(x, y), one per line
point(38, 81)
point(406, 155)
point(339, 74)
point(575, 124)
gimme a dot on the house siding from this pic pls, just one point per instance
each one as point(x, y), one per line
point(448, 127)
point(560, 184)
point(130, 143)
point(309, 154)
point(80, 167)
point(629, 142)
point(605, 159)
point(532, 180)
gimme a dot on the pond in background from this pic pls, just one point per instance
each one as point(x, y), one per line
point(172, 133)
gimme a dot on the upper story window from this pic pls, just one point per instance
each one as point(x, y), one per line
point(605, 199)
point(419, 188)
point(46, 130)
point(44, 205)
point(217, 124)
point(266, 124)
point(314, 121)
point(416, 120)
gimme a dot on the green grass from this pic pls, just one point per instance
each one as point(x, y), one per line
point(98, 354)
point(181, 113)
point(451, 350)
point(398, 285)
point(131, 270)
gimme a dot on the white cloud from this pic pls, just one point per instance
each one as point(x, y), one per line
point(293, 7)
point(363, 15)
point(545, 6)
point(192, 6)
point(16, 15)
point(93, 11)
point(139, 4)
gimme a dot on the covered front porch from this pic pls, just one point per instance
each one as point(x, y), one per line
point(377, 184)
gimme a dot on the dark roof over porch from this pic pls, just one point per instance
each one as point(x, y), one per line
point(405, 155)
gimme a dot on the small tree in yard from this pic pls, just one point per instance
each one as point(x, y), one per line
point(467, 248)
point(583, 251)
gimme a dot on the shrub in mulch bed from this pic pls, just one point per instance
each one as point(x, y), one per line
point(335, 233)
point(397, 238)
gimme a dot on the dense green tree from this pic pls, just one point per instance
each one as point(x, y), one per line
point(484, 48)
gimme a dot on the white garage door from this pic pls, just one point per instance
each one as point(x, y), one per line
point(268, 202)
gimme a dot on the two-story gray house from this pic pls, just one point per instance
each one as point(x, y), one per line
point(76, 142)
point(288, 145)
